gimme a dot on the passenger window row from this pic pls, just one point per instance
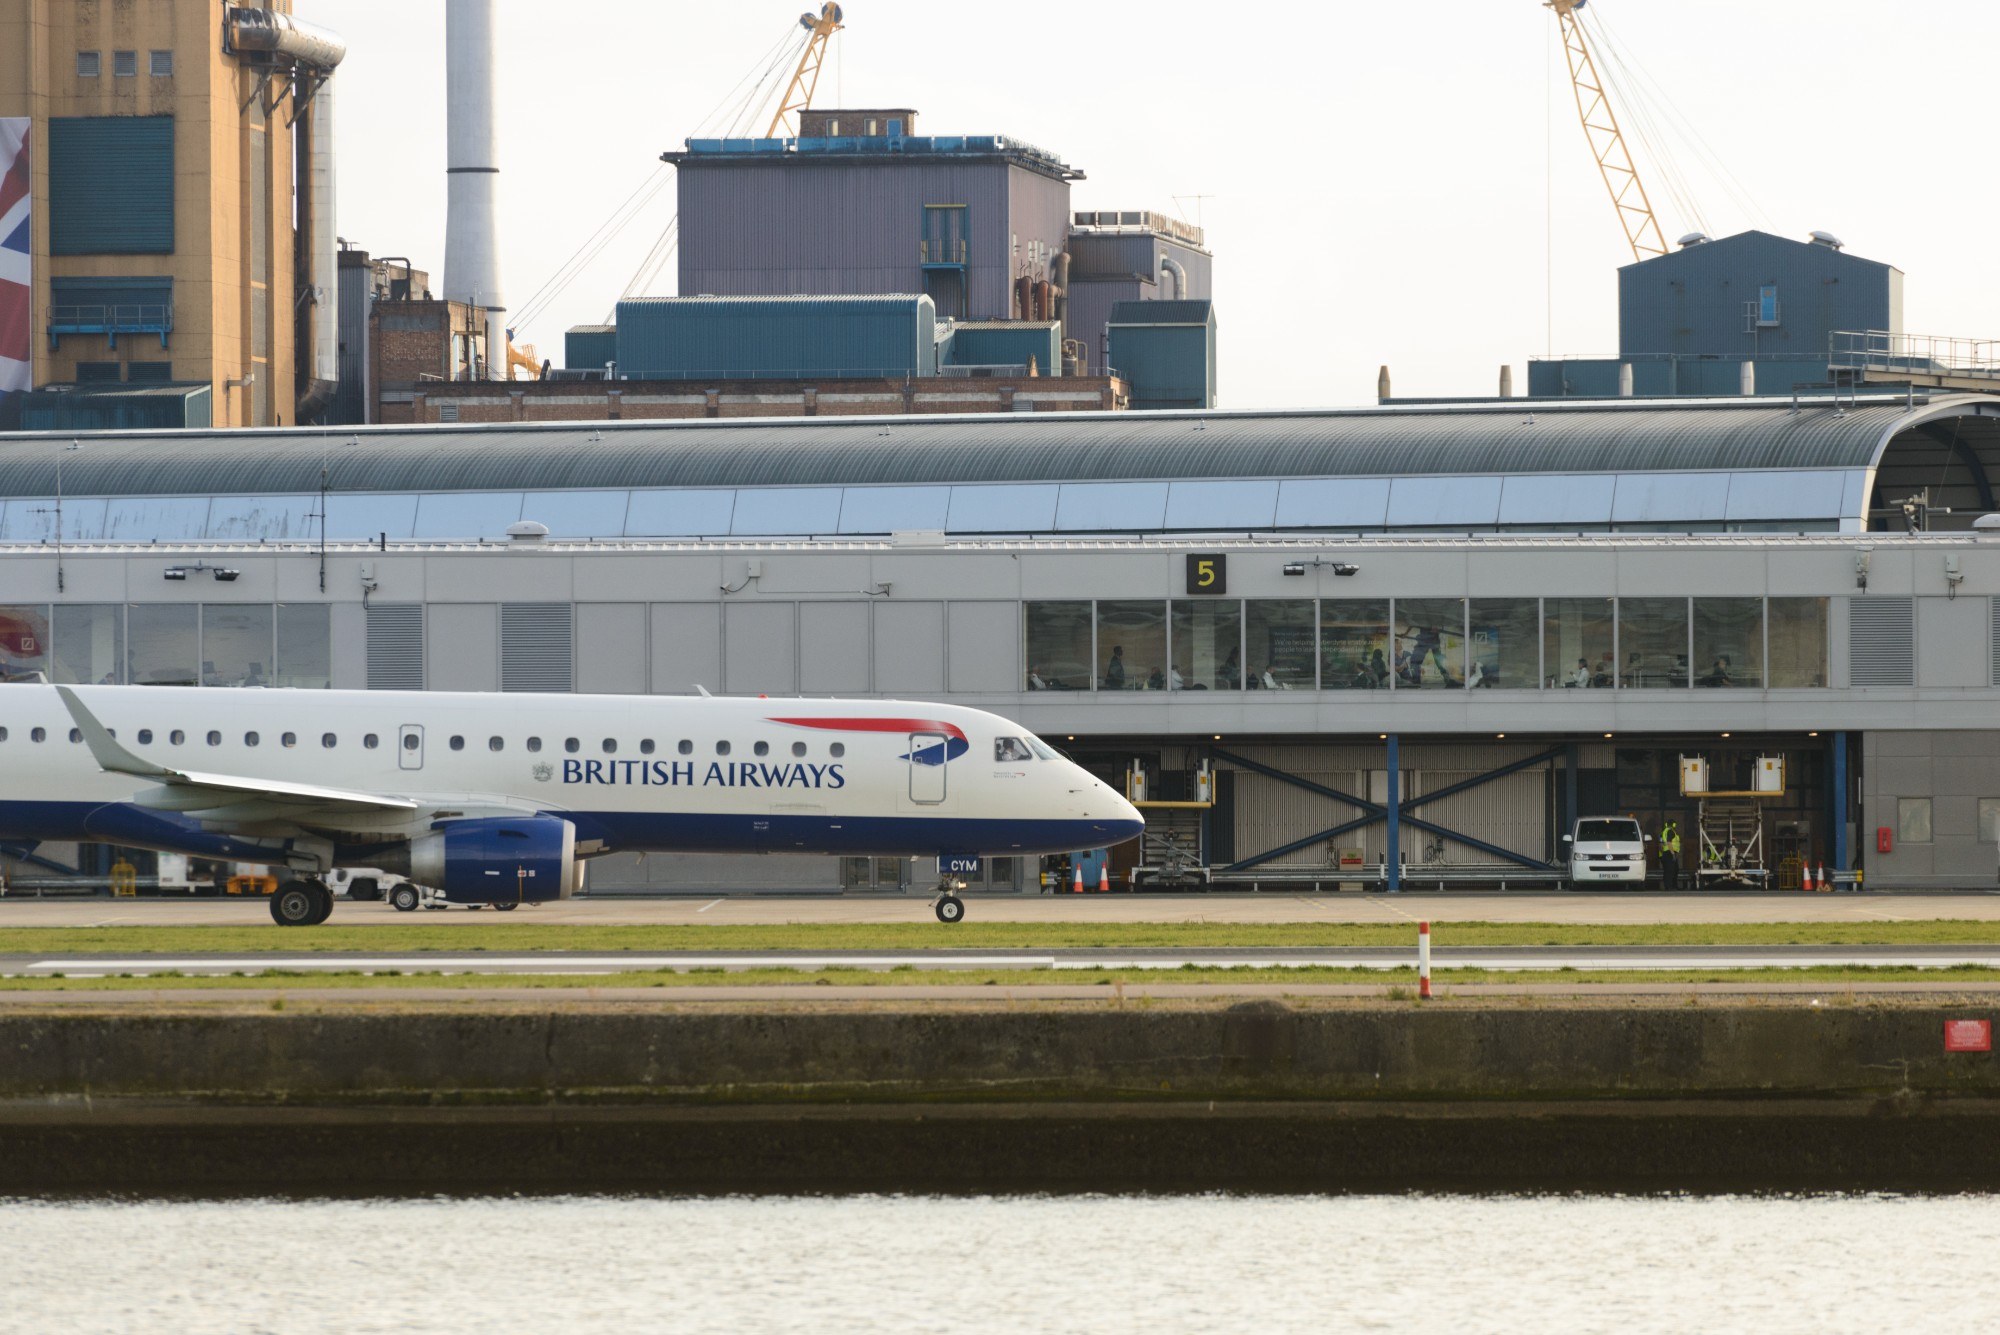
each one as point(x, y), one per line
point(371, 741)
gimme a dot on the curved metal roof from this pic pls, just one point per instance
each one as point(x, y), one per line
point(1505, 439)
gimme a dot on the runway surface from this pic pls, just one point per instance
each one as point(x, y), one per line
point(1506, 959)
point(1594, 907)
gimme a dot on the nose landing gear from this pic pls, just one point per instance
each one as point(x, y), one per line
point(948, 906)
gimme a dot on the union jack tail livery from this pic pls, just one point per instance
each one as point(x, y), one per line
point(16, 265)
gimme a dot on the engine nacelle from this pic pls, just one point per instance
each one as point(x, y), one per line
point(500, 860)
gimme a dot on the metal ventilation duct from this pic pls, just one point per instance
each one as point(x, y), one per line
point(263, 32)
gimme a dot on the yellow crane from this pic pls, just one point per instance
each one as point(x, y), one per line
point(1607, 142)
point(805, 78)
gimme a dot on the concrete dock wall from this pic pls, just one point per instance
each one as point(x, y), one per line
point(1255, 1096)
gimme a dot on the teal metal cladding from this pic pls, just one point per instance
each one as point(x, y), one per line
point(745, 338)
point(1165, 350)
point(589, 346)
point(111, 185)
point(1009, 343)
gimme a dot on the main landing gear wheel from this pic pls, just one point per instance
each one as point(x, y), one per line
point(405, 898)
point(507, 908)
point(301, 904)
point(949, 909)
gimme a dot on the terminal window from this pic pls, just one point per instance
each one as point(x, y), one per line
point(1354, 644)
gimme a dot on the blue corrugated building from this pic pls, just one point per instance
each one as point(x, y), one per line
point(1689, 321)
point(1165, 350)
point(780, 338)
point(590, 347)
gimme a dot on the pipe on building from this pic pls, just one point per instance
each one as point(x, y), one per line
point(1059, 281)
point(268, 33)
point(472, 173)
point(1624, 380)
point(1748, 382)
point(1168, 264)
point(319, 239)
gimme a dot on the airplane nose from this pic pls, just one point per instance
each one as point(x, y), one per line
point(1126, 822)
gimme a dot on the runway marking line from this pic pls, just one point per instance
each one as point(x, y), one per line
point(709, 905)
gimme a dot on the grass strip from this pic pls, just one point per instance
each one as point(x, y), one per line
point(464, 934)
point(903, 977)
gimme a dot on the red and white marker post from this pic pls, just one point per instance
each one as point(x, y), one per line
point(1423, 961)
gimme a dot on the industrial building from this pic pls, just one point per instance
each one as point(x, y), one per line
point(1748, 314)
point(179, 237)
point(1341, 647)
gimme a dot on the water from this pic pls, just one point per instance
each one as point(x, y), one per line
point(1148, 1265)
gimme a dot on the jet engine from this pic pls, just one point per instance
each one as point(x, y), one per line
point(498, 860)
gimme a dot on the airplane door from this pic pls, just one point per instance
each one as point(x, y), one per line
point(927, 780)
point(410, 746)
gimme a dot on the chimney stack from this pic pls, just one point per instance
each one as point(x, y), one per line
point(472, 173)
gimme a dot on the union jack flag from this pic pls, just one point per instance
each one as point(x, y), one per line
point(16, 264)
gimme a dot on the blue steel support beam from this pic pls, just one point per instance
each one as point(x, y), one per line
point(1837, 801)
point(1377, 812)
point(1393, 816)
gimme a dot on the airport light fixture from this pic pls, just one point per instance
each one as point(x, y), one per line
point(222, 574)
point(1342, 568)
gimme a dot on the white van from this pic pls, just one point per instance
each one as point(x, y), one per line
point(1607, 849)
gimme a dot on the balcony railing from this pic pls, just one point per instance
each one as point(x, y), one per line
point(111, 320)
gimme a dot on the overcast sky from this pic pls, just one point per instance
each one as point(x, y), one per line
point(1386, 183)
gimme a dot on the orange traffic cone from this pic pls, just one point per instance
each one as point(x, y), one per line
point(1079, 878)
point(1103, 878)
point(1806, 877)
point(1824, 883)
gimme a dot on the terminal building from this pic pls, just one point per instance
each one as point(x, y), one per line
point(1330, 649)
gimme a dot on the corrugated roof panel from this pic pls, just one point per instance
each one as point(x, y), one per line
point(1028, 448)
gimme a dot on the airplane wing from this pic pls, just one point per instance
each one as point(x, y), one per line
point(193, 791)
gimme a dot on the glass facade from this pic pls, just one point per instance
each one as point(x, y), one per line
point(237, 644)
point(305, 646)
point(1653, 636)
point(163, 645)
point(24, 642)
point(89, 644)
point(1059, 647)
point(1282, 649)
point(1506, 644)
point(1576, 642)
point(1353, 644)
point(1798, 641)
point(1131, 644)
point(1430, 643)
point(1207, 647)
point(1729, 642)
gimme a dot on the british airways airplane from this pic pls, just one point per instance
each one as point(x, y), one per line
point(499, 799)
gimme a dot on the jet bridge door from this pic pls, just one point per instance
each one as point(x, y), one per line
point(410, 746)
point(927, 767)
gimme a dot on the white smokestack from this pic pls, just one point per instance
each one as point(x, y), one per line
point(472, 225)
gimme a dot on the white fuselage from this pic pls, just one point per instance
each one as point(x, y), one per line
point(631, 772)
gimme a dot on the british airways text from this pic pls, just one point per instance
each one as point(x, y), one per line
point(719, 774)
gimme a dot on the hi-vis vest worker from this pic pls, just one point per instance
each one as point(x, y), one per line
point(1670, 838)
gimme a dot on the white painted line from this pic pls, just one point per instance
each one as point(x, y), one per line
point(531, 963)
point(709, 905)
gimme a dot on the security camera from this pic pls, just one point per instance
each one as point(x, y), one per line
point(227, 576)
point(1342, 568)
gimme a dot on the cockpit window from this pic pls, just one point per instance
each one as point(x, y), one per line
point(1011, 749)
point(1042, 748)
